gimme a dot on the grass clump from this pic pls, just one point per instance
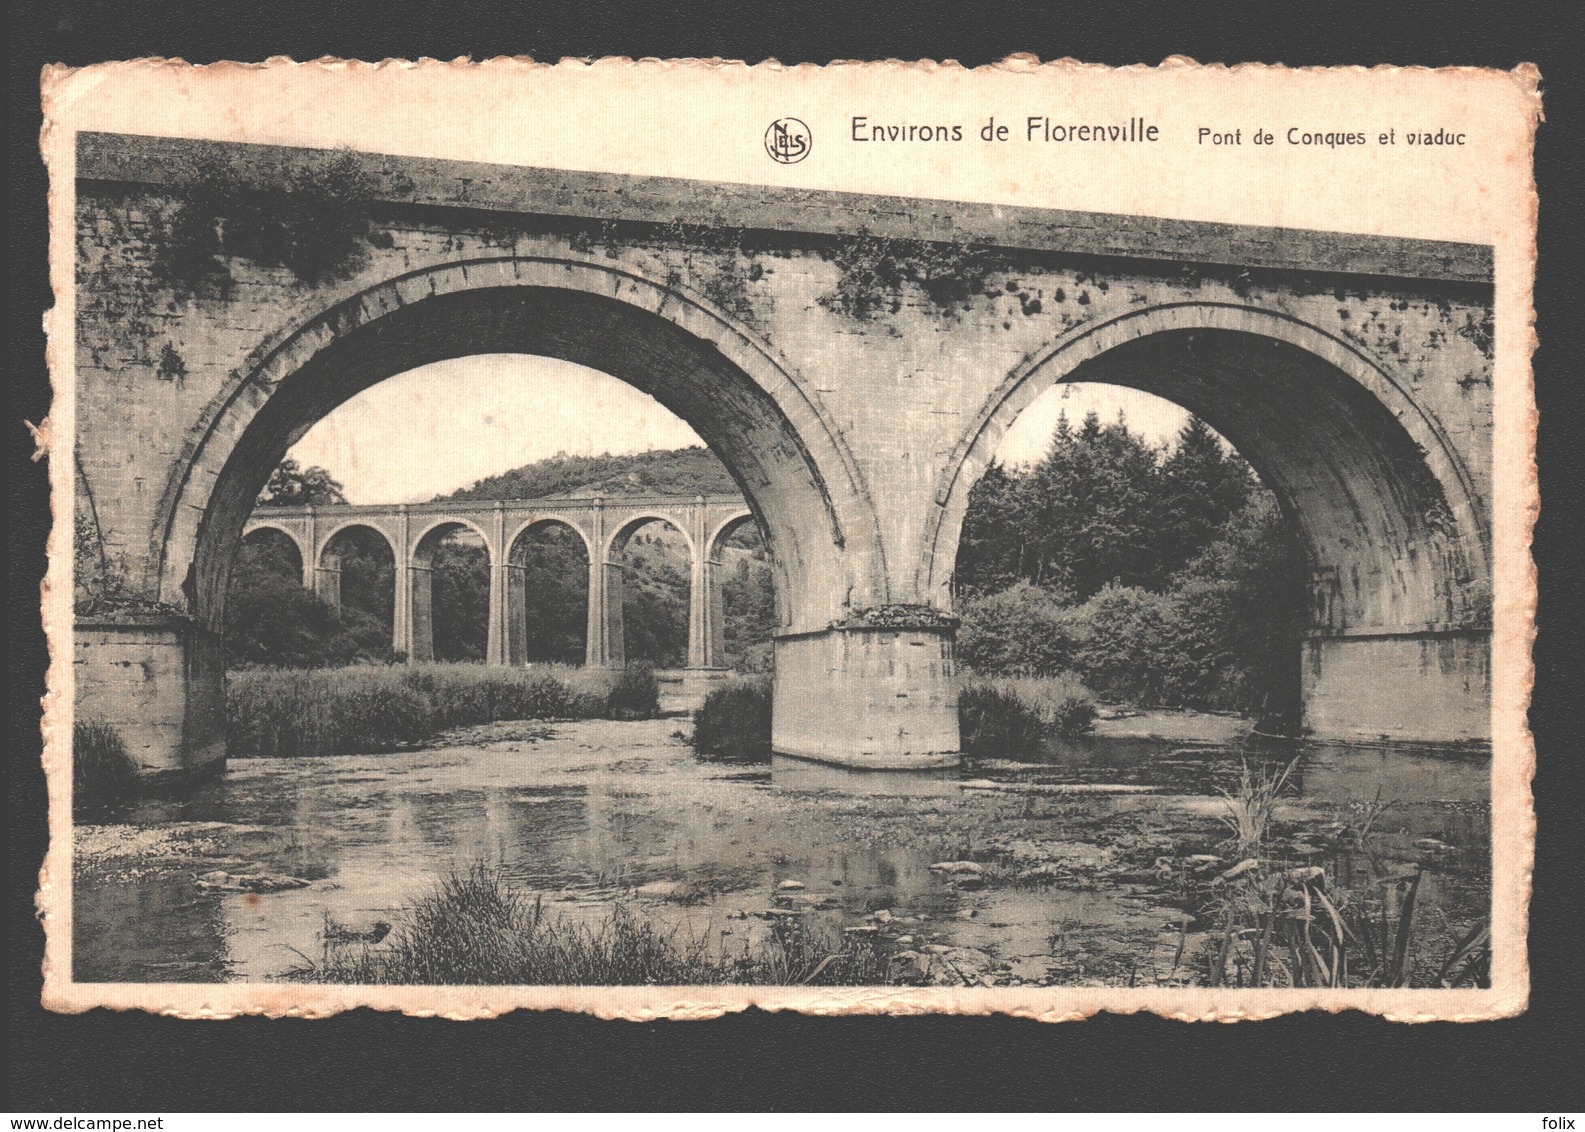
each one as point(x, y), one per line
point(734, 722)
point(475, 929)
point(102, 771)
point(289, 712)
point(1283, 926)
point(1249, 812)
point(1014, 714)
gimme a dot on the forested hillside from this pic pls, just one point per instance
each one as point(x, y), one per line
point(677, 471)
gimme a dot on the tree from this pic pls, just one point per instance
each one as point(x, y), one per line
point(368, 575)
point(1161, 576)
point(655, 598)
point(556, 588)
point(1087, 506)
point(995, 534)
point(271, 619)
point(679, 471)
point(1202, 487)
point(293, 486)
point(1243, 600)
point(748, 601)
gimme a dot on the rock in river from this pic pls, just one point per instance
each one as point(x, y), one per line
point(249, 882)
point(664, 890)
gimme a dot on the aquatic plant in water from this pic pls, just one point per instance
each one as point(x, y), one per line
point(1281, 925)
point(1012, 715)
point(734, 722)
point(1249, 812)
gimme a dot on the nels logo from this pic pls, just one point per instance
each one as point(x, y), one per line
point(788, 141)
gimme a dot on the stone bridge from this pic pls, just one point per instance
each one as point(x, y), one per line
point(854, 360)
point(412, 531)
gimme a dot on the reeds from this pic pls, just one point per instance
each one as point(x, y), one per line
point(328, 711)
point(1248, 813)
point(1281, 925)
point(475, 929)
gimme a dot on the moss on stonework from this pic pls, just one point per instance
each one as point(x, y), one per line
point(1481, 332)
point(171, 367)
point(898, 615)
point(876, 272)
point(318, 227)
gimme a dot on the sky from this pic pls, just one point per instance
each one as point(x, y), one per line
point(444, 426)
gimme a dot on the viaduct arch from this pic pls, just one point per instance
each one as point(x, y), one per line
point(854, 407)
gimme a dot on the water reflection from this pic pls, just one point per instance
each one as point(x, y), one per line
point(601, 812)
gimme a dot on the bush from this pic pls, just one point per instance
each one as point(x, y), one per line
point(1122, 643)
point(283, 712)
point(634, 694)
point(1022, 631)
point(734, 722)
point(102, 771)
point(1014, 716)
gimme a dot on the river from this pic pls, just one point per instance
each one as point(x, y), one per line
point(600, 813)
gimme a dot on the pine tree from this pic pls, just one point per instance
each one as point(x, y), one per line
point(1088, 508)
point(992, 545)
point(1203, 486)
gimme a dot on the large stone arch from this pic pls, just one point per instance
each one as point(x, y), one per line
point(427, 536)
point(328, 576)
point(1160, 349)
point(756, 413)
point(1391, 517)
point(724, 530)
point(548, 519)
point(420, 551)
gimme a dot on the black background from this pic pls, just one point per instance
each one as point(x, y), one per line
point(365, 1061)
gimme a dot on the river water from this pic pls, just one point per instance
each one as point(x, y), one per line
point(598, 813)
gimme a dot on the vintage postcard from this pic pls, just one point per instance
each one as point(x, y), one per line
point(653, 538)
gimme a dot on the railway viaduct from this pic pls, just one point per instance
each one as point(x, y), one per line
point(854, 361)
point(603, 525)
